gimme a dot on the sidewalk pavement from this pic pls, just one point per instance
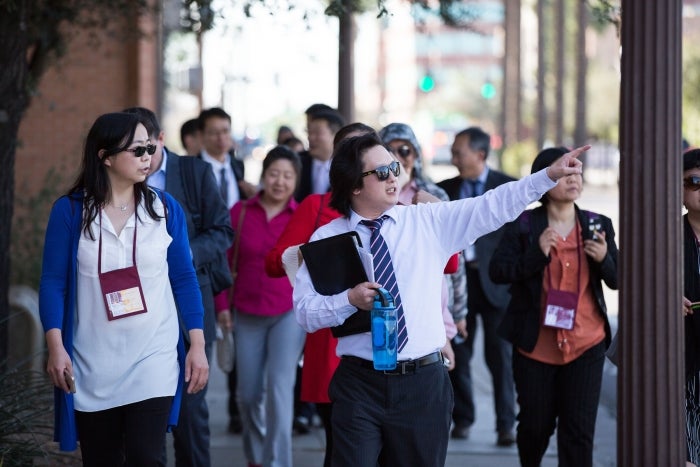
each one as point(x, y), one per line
point(479, 450)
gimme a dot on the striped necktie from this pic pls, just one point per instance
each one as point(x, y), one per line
point(384, 274)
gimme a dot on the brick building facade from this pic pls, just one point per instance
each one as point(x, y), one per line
point(100, 72)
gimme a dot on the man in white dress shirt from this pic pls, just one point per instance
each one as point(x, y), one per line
point(403, 414)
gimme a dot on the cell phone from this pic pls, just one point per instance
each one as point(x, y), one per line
point(594, 227)
point(695, 306)
point(70, 381)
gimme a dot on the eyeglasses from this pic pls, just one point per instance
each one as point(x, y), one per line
point(403, 151)
point(383, 171)
point(139, 151)
point(692, 183)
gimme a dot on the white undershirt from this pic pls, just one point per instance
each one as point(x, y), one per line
point(234, 194)
point(320, 177)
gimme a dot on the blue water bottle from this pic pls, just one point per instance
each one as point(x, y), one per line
point(383, 331)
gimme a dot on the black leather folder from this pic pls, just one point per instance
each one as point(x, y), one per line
point(334, 265)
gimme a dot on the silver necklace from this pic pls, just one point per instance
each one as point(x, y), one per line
point(121, 207)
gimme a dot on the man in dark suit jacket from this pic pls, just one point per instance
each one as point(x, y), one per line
point(322, 125)
point(229, 171)
point(211, 240)
point(469, 152)
point(218, 151)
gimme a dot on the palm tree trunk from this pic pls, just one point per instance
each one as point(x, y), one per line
point(511, 116)
point(560, 65)
point(541, 74)
point(580, 129)
point(346, 63)
point(14, 100)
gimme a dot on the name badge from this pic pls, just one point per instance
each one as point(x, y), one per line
point(560, 309)
point(122, 293)
point(124, 302)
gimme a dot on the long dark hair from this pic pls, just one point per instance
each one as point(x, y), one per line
point(113, 133)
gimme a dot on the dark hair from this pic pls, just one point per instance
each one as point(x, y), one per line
point(113, 133)
point(479, 140)
point(346, 169)
point(691, 159)
point(332, 117)
point(214, 112)
point(147, 118)
point(283, 133)
point(313, 108)
point(356, 127)
point(291, 141)
point(284, 129)
point(282, 152)
point(190, 127)
point(544, 159)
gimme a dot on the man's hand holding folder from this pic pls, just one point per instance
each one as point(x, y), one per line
point(339, 263)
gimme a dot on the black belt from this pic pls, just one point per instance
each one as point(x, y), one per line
point(404, 367)
point(472, 264)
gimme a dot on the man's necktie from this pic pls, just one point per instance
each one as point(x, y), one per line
point(223, 186)
point(474, 185)
point(384, 274)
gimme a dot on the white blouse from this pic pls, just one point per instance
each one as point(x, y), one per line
point(134, 358)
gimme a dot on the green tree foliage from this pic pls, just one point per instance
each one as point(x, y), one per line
point(606, 12)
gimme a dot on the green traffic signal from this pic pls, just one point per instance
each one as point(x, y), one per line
point(427, 83)
point(488, 90)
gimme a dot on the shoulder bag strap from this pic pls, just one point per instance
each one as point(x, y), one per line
point(236, 245)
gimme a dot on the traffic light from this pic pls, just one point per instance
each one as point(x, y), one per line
point(488, 90)
point(427, 82)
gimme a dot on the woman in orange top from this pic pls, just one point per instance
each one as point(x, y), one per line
point(556, 257)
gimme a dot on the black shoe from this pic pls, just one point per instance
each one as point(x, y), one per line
point(301, 425)
point(505, 438)
point(234, 425)
point(460, 432)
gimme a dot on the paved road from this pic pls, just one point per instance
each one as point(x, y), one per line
point(479, 451)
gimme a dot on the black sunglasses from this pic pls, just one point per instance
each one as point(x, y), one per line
point(383, 171)
point(403, 151)
point(139, 151)
point(692, 183)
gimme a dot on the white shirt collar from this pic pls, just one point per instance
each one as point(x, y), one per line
point(216, 164)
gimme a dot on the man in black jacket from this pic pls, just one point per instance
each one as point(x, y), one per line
point(469, 152)
point(217, 150)
point(210, 235)
point(316, 162)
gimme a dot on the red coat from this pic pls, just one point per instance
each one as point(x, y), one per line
point(320, 360)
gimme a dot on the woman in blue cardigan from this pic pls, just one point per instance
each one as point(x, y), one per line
point(116, 262)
